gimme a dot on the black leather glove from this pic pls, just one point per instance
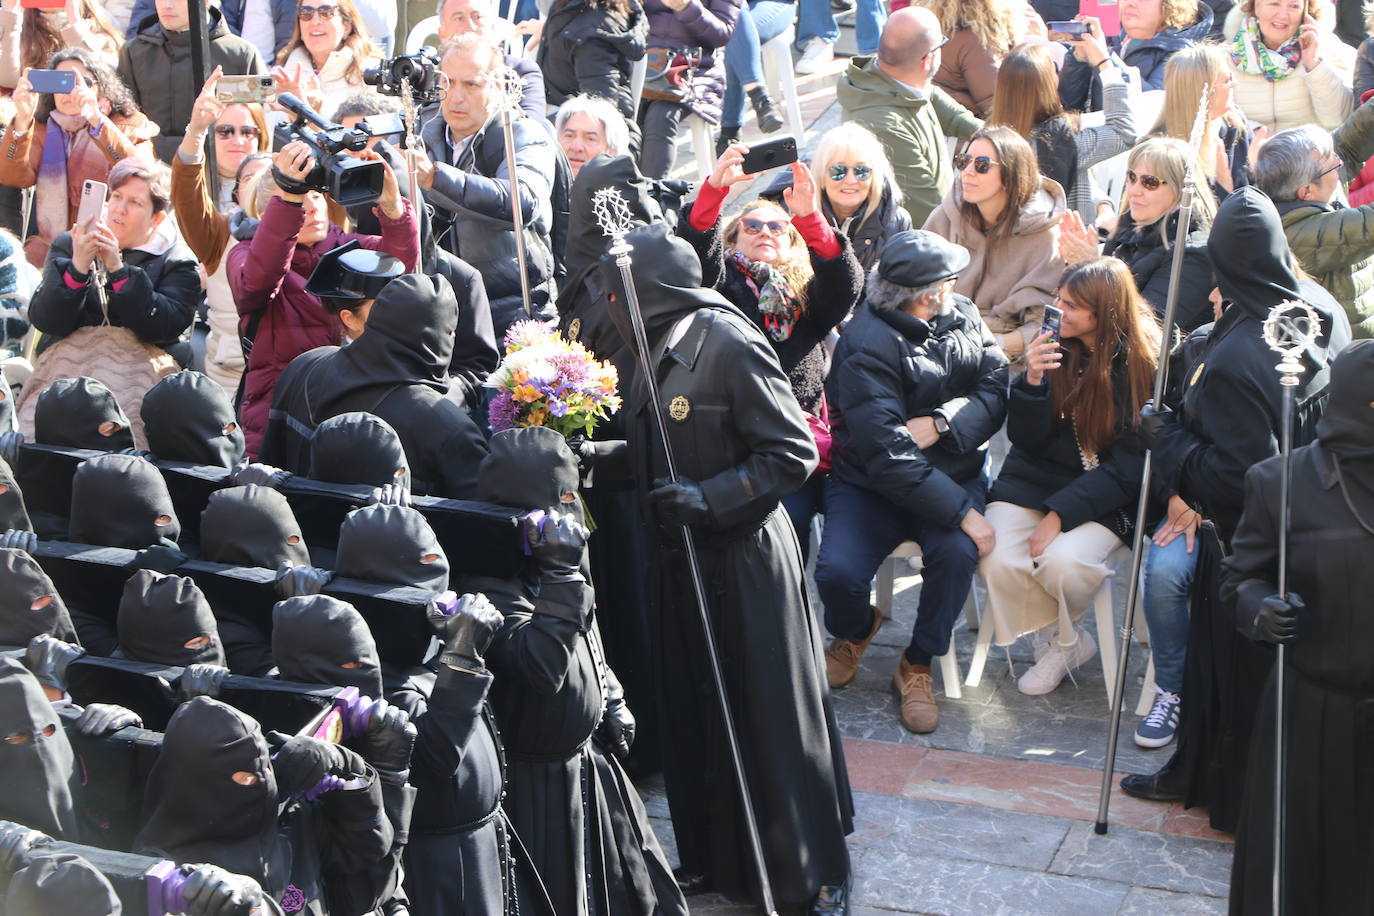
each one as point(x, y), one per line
point(9, 446)
point(201, 681)
point(467, 632)
point(100, 719)
point(558, 544)
point(302, 762)
point(391, 494)
point(294, 581)
point(264, 475)
point(15, 842)
point(20, 539)
point(617, 728)
point(589, 451)
point(680, 502)
point(211, 891)
point(1277, 620)
point(1153, 420)
point(138, 453)
point(47, 659)
point(160, 558)
point(390, 741)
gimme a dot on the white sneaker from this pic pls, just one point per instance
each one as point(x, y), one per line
point(817, 56)
point(1055, 664)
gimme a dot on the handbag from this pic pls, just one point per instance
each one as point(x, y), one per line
point(820, 432)
point(668, 73)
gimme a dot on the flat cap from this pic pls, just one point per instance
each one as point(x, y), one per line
point(917, 258)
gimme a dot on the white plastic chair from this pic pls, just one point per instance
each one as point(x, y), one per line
point(781, 79)
point(887, 573)
point(703, 146)
point(425, 28)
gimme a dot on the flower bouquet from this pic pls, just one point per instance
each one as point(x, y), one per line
point(544, 380)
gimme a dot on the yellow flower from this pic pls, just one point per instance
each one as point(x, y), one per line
point(525, 394)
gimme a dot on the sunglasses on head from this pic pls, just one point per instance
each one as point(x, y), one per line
point(753, 226)
point(981, 164)
point(861, 172)
point(307, 13)
point(226, 131)
point(1150, 182)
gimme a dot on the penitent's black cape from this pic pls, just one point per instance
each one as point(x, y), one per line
point(40, 778)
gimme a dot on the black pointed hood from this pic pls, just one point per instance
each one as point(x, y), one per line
point(358, 448)
point(189, 417)
point(251, 526)
point(70, 412)
point(37, 761)
point(667, 277)
point(13, 512)
point(586, 241)
point(61, 884)
point(314, 636)
point(29, 603)
point(167, 621)
point(530, 468)
point(1250, 255)
point(391, 545)
point(1347, 426)
point(122, 501)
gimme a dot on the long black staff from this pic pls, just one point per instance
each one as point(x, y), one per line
point(511, 87)
point(1185, 214)
point(1290, 328)
point(613, 215)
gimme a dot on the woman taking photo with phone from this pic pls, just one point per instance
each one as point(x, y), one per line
point(1065, 498)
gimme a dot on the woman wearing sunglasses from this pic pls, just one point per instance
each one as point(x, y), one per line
point(330, 45)
point(1007, 215)
point(1145, 233)
point(792, 275)
point(858, 195)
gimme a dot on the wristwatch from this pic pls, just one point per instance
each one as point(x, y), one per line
point(941, 424)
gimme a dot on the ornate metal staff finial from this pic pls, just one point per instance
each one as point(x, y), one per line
point(1199, 129)
point(613, 216)
point(511, 88)
point(1290, 328)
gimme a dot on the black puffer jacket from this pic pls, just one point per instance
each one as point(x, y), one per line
point(1151, 264)
point(868, 235)
point(1080, 89)
point(588, 48)
point(890, 366)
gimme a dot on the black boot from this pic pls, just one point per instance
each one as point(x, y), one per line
point(726, 136)
point(833, 899)
point(769, 119)
point(1165, 784)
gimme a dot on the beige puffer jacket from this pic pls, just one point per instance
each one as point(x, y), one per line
point(1321, 96)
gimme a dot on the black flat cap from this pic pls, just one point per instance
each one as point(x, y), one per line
point(917, 258)
point(353, 272)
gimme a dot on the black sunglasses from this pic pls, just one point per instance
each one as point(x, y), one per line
point(307, 13)
point(1150, 182)
point(861, 172)
point(981, 164)
point(247, 131)
point(753, 226)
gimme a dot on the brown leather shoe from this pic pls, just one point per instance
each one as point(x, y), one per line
point(913, 685)
point(842, 656)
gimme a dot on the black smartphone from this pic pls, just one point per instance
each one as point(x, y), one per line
point(53, 81)
point(1054, 320)
point(1075, 29)
point(769, 155)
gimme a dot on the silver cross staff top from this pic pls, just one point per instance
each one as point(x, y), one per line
point(1290, 328)
point(510, 87)
point(614, 217)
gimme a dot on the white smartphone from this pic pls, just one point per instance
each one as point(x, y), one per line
point(92, 201)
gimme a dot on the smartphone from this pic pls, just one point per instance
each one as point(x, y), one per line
point(54, 81)
point(92, 201)
point(1054, 320)
point(1070, 28)
point(764, 156)
point(1106, 12)
point(234, 90)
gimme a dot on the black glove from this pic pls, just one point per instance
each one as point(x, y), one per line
point(466, 632)
point(9, 446)
point(138, 453)
point(390, 741)
point(294, 581)
point(47, 659)
point(617, 728)
point(1152, 421)
point(391, 494)
point(100, 719)
point(15, 842)
point(201, 681)
point(302, 762)
point(264, 475)
point(288, 184)
point(20, 539)
point(558, 544)
point(1277, 620)
point(160, 558)
point(211, 891)
point(589, 451)
point(679, 503)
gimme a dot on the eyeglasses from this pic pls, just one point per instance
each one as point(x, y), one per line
point(981, 164)
point(943, 41)
point(753, 226)
point(861, 172)
point(227, 131)
point(1150, 182)
point(307, 13)
point(1328, 171)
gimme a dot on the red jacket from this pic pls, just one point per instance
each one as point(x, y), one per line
point(268, 275)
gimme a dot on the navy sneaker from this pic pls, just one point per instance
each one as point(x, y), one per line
point(1157, 729)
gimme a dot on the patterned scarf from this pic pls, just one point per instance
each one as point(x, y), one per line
point(777, 305)
point(1251, 55)
point(67, 150)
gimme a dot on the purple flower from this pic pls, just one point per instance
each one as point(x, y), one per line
point(503, 412)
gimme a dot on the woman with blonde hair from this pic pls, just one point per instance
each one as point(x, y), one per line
point(980, 32)
point(1065, 498)
point(332, 44)
point(1225, 154)
point(858, 194)
point(1290, 69)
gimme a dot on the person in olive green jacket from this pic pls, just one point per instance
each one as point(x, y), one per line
point(1301, 169)
point(891, 94)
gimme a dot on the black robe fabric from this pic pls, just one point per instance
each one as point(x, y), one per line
point(70, 411)
point(187, 416)
point(315, 636)
point(251, 526)
point(167, 621)
point(358, 448)
point(391, 544)
point(40, 784)
point(398, 370)
point(60, 884)
point(29, 603)
point(735, 429)
point(569, 799)
point(1329, 683)
point(13, 512)
point(8, 420)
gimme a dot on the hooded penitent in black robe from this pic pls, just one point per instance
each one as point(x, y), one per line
point(166, 620)
point(398, 370)
point(60, 884)
point(29, 603)
point(1229, 420)
point(570, 800)
point(358, 448)
point(1329, 688)
point(40, 780)
point(188, 417)
point(70, 412)
point(736, 429)
point(13, 513)
point(251, 526)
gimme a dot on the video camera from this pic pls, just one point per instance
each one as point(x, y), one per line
point(347, 180)
point(420, 70)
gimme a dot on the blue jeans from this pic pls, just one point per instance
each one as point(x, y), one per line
point(869, 18)
point(760, 21)
point(861, 529)
point(802, 506)
point(815, 19)
point(1168, 577)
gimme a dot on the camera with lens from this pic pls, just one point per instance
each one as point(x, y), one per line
point(420, 70)
point(347, 180)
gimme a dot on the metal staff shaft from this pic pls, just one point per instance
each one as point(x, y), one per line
point(621, 250)
point(412, 151)
point(1280, 750)
point(517, 216)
